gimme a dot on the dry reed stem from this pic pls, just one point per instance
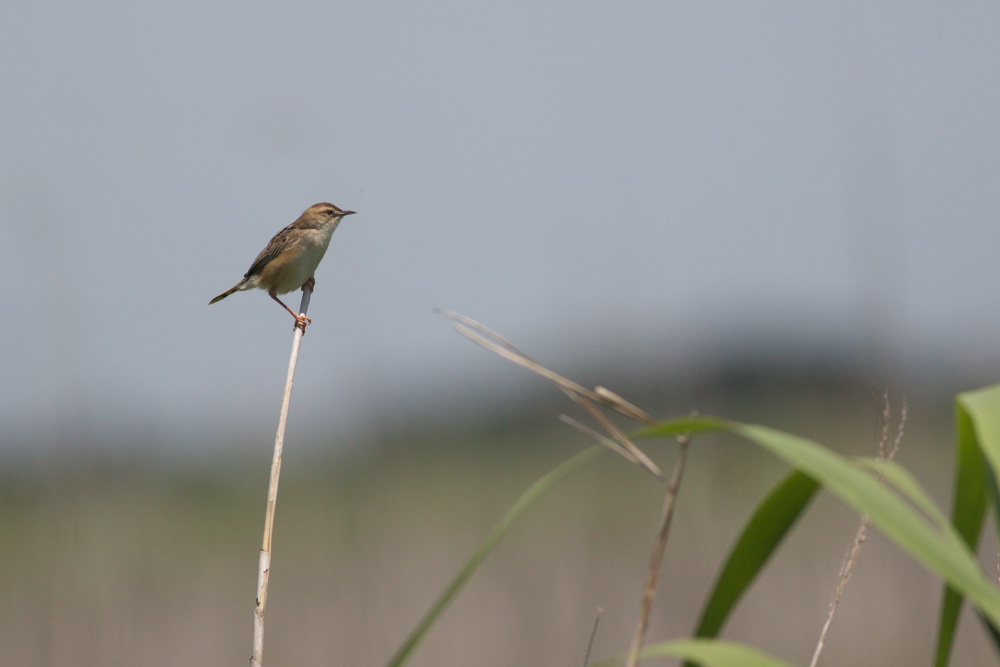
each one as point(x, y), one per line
point(598, 437)
point(619, 442)
point(887, 448)
point(656, 561)
point(491, 340)
point(635, 454)
point(264, 564)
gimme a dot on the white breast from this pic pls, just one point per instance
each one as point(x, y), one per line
point(312, 246)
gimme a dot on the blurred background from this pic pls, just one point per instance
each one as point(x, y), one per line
point(767, 211)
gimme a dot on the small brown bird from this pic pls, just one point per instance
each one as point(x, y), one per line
point(290, 259)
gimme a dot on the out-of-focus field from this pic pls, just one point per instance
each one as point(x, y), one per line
point(135, 562)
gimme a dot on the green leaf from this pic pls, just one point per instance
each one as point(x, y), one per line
point(983, 409)
point(905, 483)
point(708, 652)
point(685, 426)
point(969, 505)
point(938, 550)
point(765, 530)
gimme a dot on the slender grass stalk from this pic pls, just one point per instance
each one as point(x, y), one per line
point(887, 448)
point(589, 400)
point(585, 398)
point(264, 566)
point(656, 560)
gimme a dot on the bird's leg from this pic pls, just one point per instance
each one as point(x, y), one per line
point(311, 284)
point(300, 320)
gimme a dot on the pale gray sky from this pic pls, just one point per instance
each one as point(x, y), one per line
point(579, 176)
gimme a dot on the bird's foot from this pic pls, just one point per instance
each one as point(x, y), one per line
point(301, 321)
point(311, 284)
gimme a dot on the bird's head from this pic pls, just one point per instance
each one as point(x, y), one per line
point(325, 212)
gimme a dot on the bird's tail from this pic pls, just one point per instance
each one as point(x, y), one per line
point(234, 288)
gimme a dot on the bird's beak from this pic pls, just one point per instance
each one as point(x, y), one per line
point(347, 213)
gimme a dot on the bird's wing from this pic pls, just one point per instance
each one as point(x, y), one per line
point(279, 242)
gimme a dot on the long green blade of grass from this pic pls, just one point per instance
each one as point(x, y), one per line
point(526, 500)
point(708, 652)
point(970, 502)
point(983, 410)
point(938, 550)
point(765, 530)
point(903, 481)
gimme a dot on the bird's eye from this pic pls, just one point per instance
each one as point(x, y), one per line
point(329, 211)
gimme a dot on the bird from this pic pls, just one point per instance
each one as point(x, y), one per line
point(290, 259)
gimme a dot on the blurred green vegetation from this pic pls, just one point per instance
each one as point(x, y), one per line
point(130, 561)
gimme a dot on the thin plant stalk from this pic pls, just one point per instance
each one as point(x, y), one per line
point(656, 561)
point(585, 398)
point(887, 448)
point(589, 400)
point(264, 565)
